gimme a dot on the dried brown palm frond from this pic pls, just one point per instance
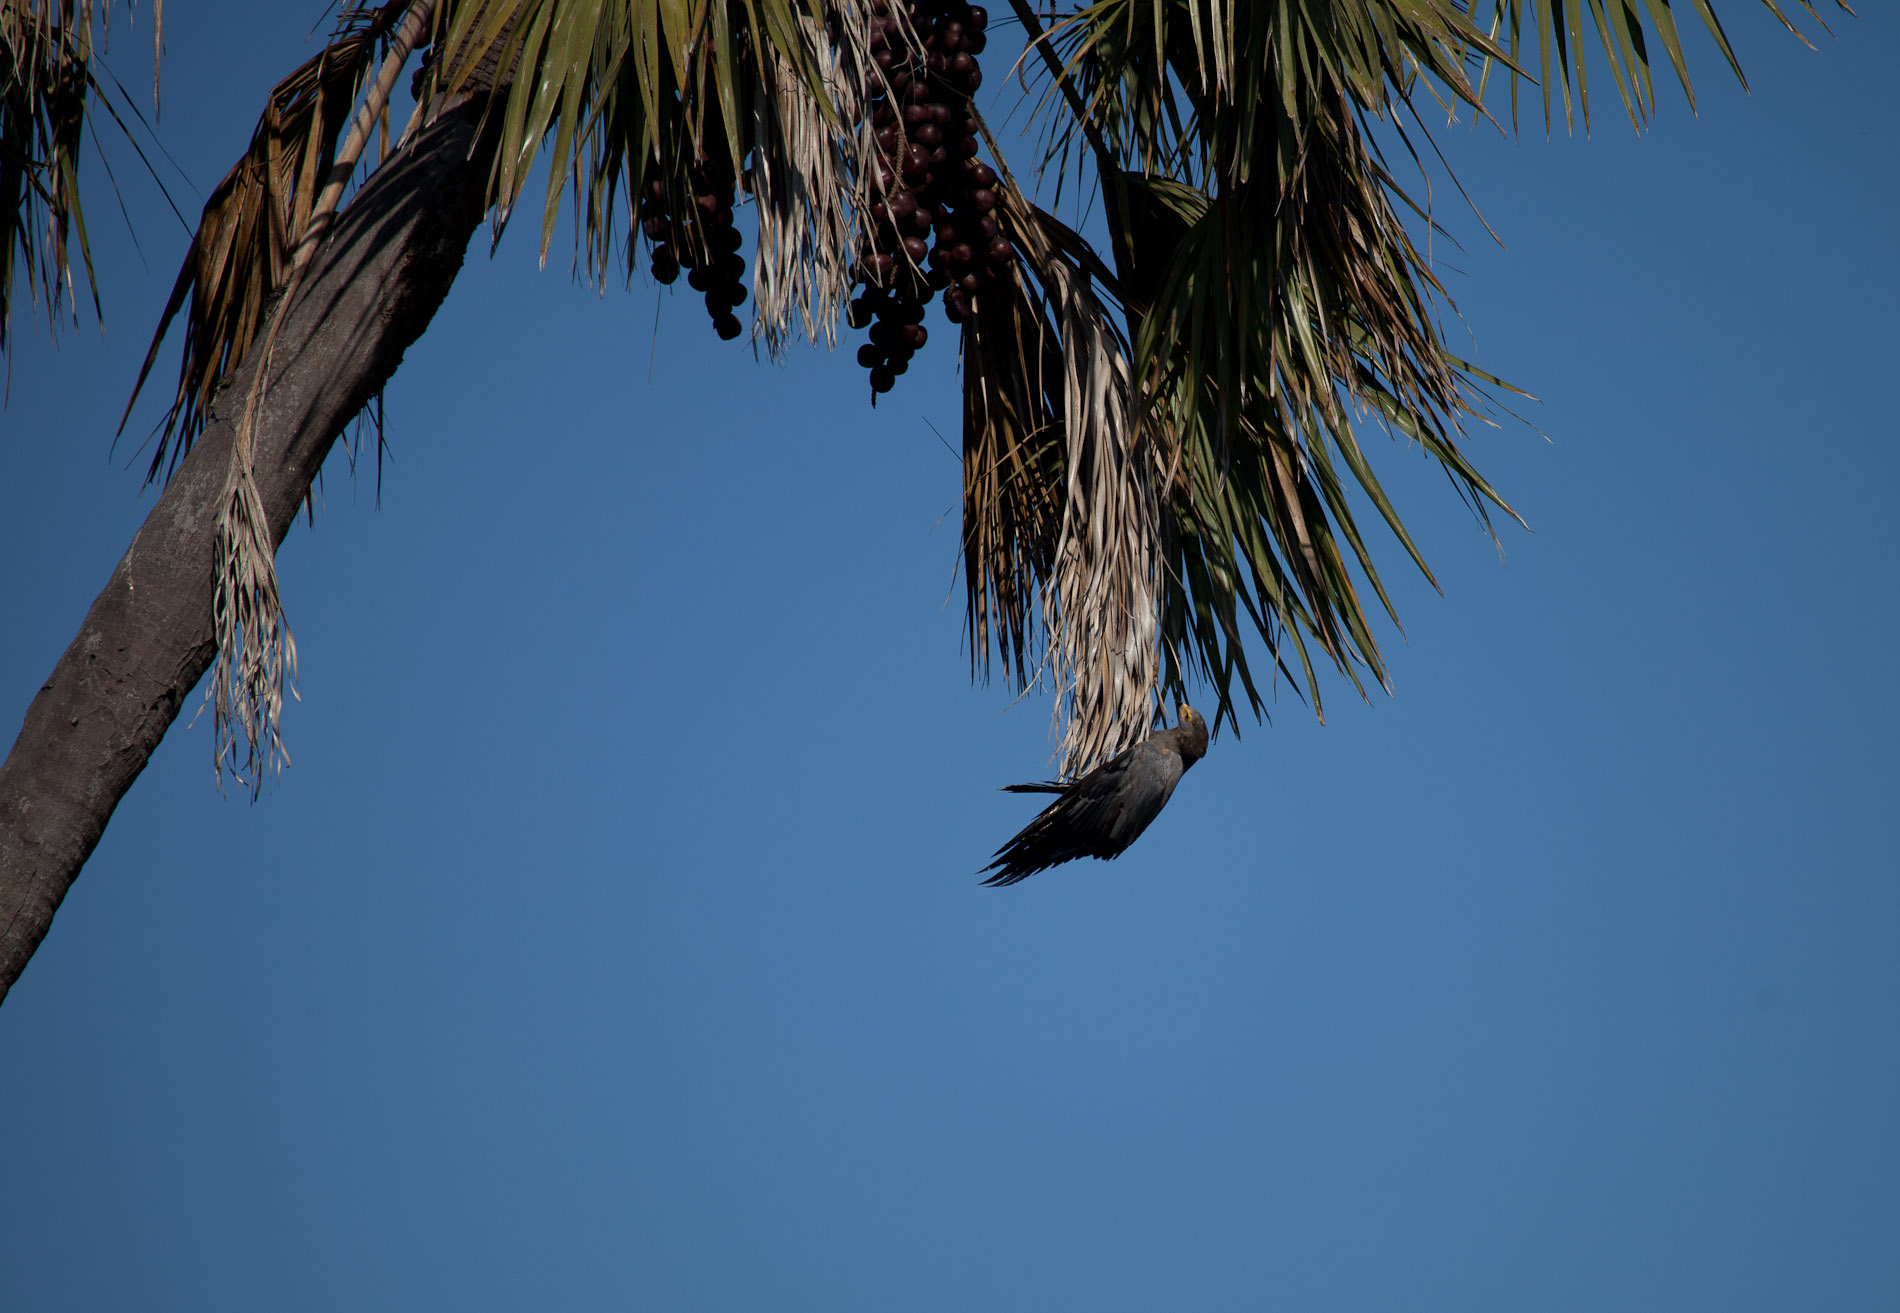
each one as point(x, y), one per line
point(813, 176)
point(245, 244)
point(1101, 603)
point(1061, 506)
point(257, 232)
point(256, 662)
point(257, 655)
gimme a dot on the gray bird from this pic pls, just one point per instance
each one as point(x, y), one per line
point(1102, 813)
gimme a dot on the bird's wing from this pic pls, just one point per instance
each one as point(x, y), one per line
point(1074, 825)
point(1145, 790)
point(1098, 797)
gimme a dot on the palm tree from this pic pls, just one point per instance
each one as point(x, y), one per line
point(1163, 418)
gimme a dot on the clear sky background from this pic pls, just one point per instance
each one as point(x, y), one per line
point(614, 941)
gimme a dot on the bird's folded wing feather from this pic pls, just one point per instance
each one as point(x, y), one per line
point(1088, 809)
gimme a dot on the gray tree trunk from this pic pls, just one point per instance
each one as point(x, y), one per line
point(374, 286)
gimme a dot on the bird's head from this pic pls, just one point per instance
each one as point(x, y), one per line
point(1194, 741)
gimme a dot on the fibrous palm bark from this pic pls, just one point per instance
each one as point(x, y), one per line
point(148, 638)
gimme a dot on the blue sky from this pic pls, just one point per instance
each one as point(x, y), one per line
point(614, 942)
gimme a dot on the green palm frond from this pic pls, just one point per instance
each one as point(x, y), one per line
point(1564, 31)
point(1275, 299)
point(1325, 316)
point(620, 91)
point(626, 95)
point(1274, 302)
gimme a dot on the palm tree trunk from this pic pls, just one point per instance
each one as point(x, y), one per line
point(147, 640)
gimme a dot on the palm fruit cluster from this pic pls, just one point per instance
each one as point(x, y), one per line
point(933, 228)
point(691, 228)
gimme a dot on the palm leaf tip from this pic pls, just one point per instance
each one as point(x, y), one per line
point(47, 86)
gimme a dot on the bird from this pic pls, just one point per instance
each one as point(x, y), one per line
point(1106, 810)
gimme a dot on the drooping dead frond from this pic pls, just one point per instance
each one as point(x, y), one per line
point(244, 248)
point(1102, 599)
point(259, 230)
point(812, 176)
point(257, 655)
point(1061, 495)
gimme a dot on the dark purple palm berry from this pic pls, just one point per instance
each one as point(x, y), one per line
point(931, 228)
point(696, 233)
